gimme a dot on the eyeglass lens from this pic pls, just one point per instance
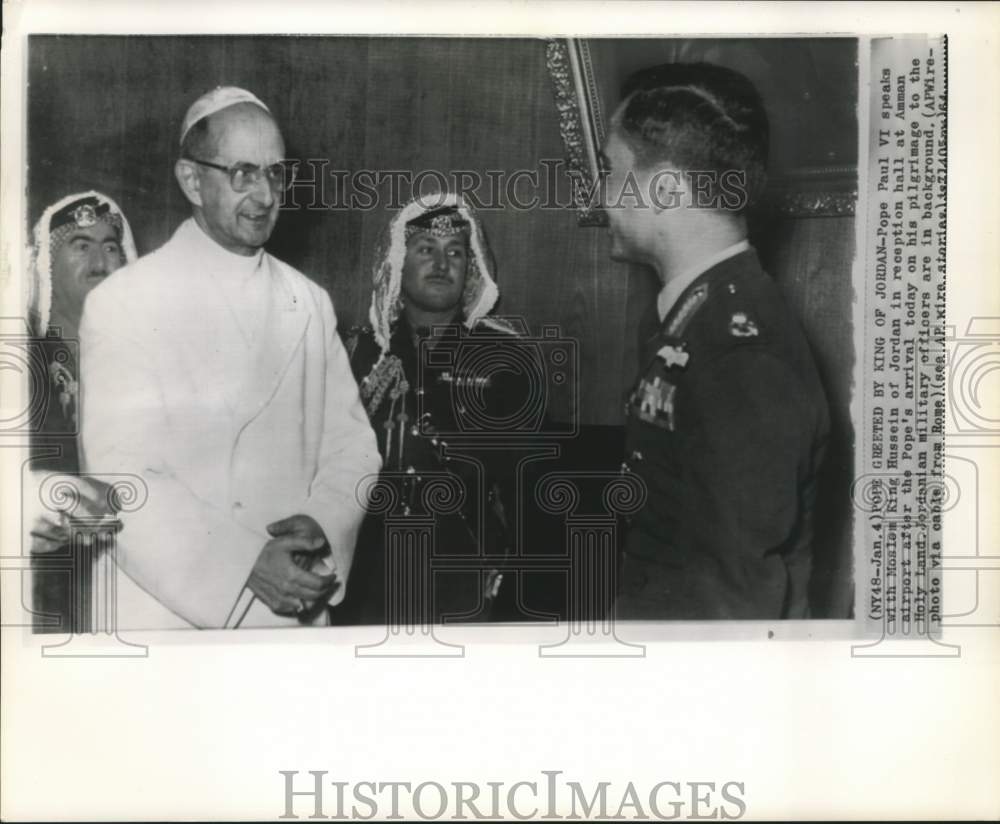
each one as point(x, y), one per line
point(280, 176)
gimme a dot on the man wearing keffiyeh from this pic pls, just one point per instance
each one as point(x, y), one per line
point(433, 288)
point(76, 243)
point(727, 423)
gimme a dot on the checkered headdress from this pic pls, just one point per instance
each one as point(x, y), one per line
point(53, 227)
point(443, 212)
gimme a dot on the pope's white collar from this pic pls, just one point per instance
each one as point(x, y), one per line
point(217, 256)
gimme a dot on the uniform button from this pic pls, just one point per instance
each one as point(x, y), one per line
point(636, 455)
point(625, 467)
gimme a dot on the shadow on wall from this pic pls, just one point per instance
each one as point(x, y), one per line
point(811, 259)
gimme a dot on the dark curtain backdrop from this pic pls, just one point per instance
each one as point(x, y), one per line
point(104, 112)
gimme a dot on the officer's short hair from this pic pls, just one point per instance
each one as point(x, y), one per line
point(697, 116)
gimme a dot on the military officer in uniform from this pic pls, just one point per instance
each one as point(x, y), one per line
point(437, 387)
point(727, 421)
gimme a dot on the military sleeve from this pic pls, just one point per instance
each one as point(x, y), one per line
point(745, 425)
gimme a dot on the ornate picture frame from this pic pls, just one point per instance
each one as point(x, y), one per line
point(809, 86)
point(581, 120)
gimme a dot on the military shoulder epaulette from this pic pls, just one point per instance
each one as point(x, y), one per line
point(353, 335)
point(357, 330)
point(689, 306)
point(738, 320)
point(715, 316)
point(497, 325)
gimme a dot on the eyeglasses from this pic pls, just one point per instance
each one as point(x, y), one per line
point(244, 176)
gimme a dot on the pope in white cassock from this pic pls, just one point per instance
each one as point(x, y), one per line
point(215, 372)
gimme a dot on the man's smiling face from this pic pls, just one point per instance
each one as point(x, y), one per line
point(434, 271)
point(241, 222)
point(87, 256)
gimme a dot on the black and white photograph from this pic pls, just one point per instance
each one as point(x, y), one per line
point(603, 367)
point(421, 277)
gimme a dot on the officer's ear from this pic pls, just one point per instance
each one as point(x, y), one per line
point(188, 178)
point(668, 189)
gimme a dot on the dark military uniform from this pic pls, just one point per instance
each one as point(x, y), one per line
point(60, 579)
point(727, 426)
point(424, 432)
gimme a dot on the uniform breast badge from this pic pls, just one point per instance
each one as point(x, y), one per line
point(474, 381)
point(654, 402)
point(68, 388)
point(740, 326)
point(673, 355)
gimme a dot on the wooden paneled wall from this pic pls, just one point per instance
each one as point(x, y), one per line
point(104, 113)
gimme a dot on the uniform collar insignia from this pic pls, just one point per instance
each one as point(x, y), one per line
point(673, 355)
point(740, 326)
point(687, 309)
